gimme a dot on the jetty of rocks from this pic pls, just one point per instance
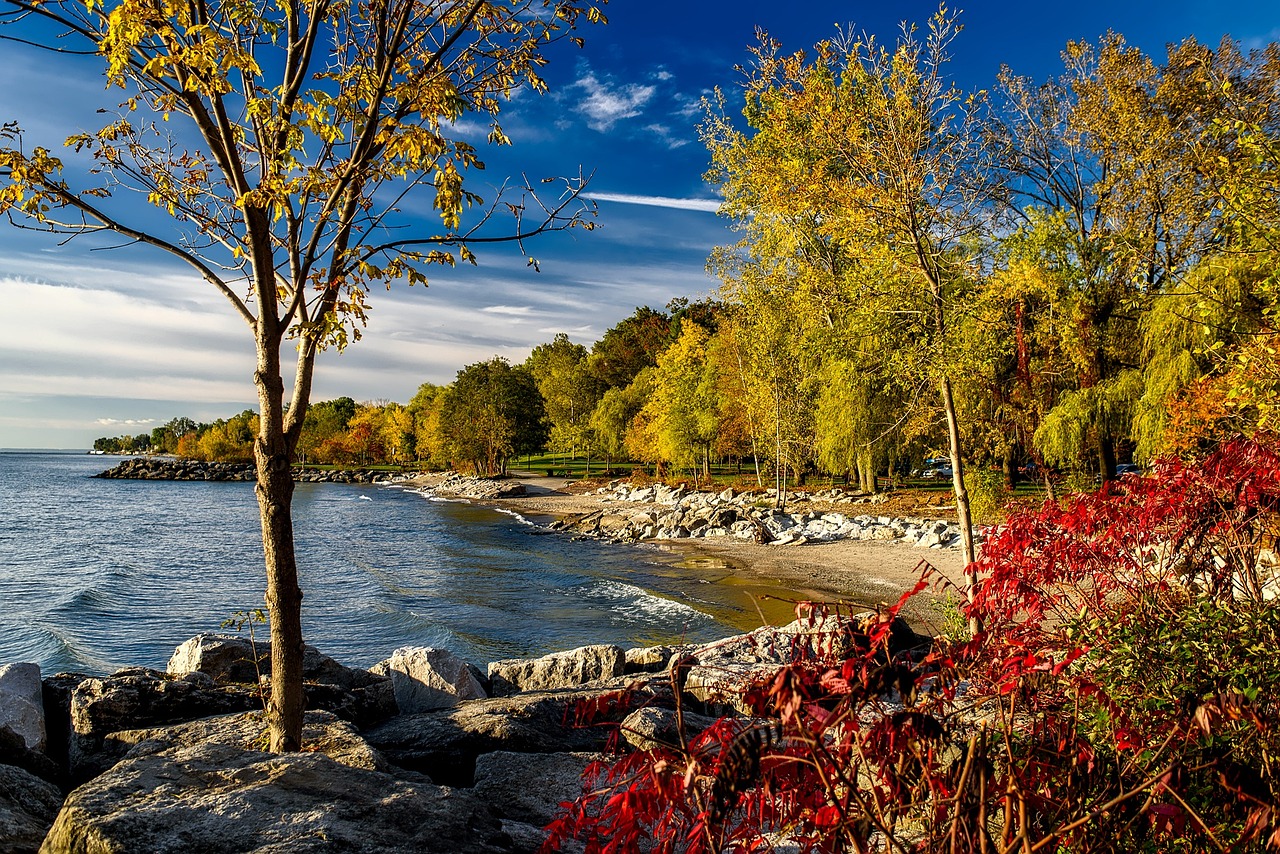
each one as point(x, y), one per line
point(422, 752)
point(672, 513)
point(166, 468)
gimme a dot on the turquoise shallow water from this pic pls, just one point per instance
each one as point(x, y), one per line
point(100, 574)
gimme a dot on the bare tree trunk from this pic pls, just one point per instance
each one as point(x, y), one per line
point(1106, 455)
point(274, 491)
point(962, 499)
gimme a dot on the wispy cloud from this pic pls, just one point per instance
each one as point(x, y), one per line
point(608, 102)
point(125, 422)
point(509, 310)
point(664, 133)
point(711, 205)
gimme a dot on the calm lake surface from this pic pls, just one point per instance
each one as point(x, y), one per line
point(101, 574)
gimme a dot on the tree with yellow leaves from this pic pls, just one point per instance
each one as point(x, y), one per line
point(282, 139)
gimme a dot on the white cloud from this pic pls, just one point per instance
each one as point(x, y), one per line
point(125, 422)
point(607, 103)
point(509, 310)
point(711, 205)
point(663, 74)
point(664, 133)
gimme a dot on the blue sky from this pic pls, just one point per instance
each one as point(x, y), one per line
point(102, 343)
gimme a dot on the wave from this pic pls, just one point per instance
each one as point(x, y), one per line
point(632, 601)
point(518, 517)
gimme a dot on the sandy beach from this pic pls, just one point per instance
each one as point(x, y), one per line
point(856, 572)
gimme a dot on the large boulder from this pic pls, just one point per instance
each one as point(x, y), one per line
point(234, 658)
point(322, 732)
point(557, 670)
point(22, 704)
point(529, 787)
point(444, 744)
point(137, 697)
point(219, 797)
point(722, 673)
point(424, 678)
point(28, 806)
point(653, 727)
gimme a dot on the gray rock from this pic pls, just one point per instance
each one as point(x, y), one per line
point(216, 797)
point(22, 703)
point(322, 732)
point(137, 697)
point(529, 787)
point(425, 678)
point(557, 670)
point(648, 659)
point(231, 658)
point(444, 744)
point(28, 806)
point(653, 727)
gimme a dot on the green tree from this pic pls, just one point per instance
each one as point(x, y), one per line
point(491, 411)
point(630, 346)
point(570, 392)
point(316, 121)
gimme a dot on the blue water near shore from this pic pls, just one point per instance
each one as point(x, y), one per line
point(99, 574)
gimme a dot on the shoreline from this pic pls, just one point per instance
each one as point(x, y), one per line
point(855, 572)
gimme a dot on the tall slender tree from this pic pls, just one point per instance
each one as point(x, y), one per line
point(281, 141)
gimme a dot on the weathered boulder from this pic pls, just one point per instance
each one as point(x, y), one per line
point(425, 678)
point(218, 797)
point(653, 727)
point(14, 751)
point(529, 787)
point(724, 671)
point(28, 806)
point(231, 658)
point(557, 670)
point(651, 659)
point(322, 732)
point(22, 704)
point(444, 744)
point(136, 696)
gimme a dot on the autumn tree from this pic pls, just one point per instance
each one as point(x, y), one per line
point(886, 159)
point(681, 415)
point(492, 411)
point(570, 392)
point(281, 141)
point(630, 346)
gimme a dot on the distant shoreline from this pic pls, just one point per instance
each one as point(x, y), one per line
point(860, 572)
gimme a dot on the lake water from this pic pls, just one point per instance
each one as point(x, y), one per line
point(100, 574)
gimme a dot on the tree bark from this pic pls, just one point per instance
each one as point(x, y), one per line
point(1106, 455)
point(962, 500)
point(274, 491)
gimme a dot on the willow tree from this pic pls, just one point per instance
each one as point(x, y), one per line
point(886, 158)
point(283, 141)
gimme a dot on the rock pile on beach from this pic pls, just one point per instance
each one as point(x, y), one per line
point(475, 488)
point(432, 754)
point(672, 513)
point(166, 468)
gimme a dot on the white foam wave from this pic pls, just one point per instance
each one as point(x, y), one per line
point(631, 600)
point(519, 518)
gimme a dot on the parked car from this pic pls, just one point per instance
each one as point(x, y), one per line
point(938, 473)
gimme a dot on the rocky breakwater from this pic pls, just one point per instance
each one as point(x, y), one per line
point(423, 752)
point(671, 513)
point(455, 485)
point(164, 468)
